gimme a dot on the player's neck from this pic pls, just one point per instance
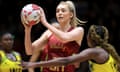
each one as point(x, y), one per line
point(66, 27)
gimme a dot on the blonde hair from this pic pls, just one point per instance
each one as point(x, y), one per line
point(99, 35)
point(74, 21)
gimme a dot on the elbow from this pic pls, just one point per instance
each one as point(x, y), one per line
point(29, 52)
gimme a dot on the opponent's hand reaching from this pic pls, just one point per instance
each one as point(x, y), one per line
point(26, 65)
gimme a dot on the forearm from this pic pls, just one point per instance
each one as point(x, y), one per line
point(54, 62)
point(28, 44)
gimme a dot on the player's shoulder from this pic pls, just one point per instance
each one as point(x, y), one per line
point(80, 29)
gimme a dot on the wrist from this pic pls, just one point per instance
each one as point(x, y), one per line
point(27, 30)
point(44, 22)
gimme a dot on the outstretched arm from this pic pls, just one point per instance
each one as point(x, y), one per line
point(81, 57)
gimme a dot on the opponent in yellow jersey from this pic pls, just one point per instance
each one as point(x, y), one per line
point(8, 65)
point(9, 59)
point(108, 66)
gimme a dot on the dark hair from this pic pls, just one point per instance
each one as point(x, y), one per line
point(5, 32)
point(99, 35)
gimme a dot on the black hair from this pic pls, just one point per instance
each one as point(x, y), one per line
point(5, 32)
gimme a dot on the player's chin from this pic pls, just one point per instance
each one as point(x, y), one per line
point(60, 20)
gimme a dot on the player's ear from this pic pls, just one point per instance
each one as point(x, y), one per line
point(71, 14)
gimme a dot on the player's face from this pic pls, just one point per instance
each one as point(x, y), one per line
point(7, 41)
point(63, 13)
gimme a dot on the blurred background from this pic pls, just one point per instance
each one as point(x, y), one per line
point(99, 12)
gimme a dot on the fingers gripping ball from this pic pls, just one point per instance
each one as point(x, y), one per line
point(31, 14)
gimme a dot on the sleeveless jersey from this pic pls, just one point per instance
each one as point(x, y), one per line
point(109, 66)
point(55, 48)
point(7, 65)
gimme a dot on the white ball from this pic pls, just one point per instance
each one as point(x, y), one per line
point(31, 14)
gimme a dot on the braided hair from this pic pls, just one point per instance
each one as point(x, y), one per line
point(99, 36)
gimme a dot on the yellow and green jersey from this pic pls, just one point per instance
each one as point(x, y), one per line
point(109, 66)
point(7, 65)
